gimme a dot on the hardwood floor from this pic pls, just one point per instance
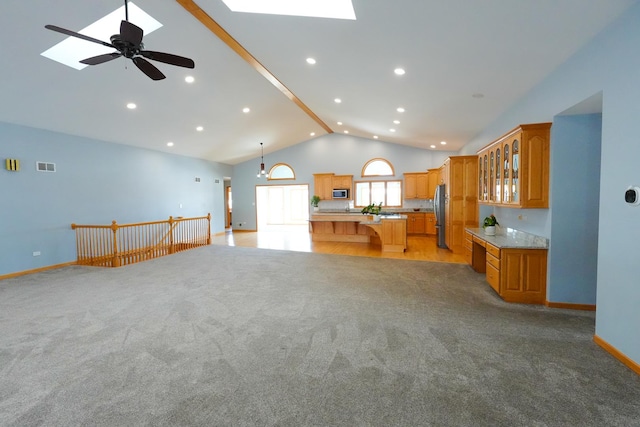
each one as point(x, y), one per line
point(298, 239)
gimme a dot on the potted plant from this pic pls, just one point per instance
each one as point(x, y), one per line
point(372, 209)
point(314, 202)
point(489, 225)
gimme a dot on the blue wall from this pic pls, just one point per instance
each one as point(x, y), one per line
point(95, 183)
point(337, 153)
point(610, 64)
point(575, 197)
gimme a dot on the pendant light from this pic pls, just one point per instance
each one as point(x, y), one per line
point(261, 172)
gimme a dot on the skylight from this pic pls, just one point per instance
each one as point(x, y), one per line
point(337, 9)
point(72, 50)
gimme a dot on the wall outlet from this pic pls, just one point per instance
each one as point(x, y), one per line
point(36, 253)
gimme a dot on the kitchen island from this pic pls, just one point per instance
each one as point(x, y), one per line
point(389, 232)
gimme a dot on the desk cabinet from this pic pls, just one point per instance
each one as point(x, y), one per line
point(516, 274)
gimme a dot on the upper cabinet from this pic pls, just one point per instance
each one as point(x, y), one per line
point(420, 185)
point(513, 171)
point(342, 182)
point(325, 183)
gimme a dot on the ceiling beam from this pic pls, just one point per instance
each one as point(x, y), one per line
point(191, 7)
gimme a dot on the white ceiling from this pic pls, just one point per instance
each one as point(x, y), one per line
point(450, 50)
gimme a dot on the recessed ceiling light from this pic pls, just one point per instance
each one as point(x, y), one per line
point(131, 106)
point(199, 128)
point(432, 146)
point(312, 134)
point(337, 9)
point(346, 131)
point(396, 122)
point(189, 79)
point(443, 142)
point(375, 136)
point(337, 100)
point(392, 130)
point(246, 109)
point(400, 110)
point(72, 50)
point(339, 123)
point(169, 144)
point(399, 71)
point(311, 61)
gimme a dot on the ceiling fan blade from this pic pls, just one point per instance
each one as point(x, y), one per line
point(148, 68)
point(95, 60)
point(168, 58)
point(131, 33)
point(78, 35)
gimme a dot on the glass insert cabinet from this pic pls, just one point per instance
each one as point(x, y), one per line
point(513, 170)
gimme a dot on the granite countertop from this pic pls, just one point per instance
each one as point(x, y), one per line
point(512, 238)
point(384, 212)
point(349, 217)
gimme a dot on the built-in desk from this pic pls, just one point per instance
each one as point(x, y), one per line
point(515, 263)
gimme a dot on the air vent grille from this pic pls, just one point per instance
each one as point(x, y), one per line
point(45, 167)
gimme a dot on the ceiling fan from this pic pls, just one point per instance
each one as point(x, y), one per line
point(128, 43)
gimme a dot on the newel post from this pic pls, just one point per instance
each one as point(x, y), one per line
point(171, 248)
point(115, 261)
point(209, 228)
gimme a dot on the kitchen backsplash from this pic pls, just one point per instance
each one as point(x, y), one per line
point(343, 204)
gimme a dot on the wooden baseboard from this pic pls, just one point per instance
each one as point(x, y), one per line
point(570, 306)
point(37, 270)
point(617, 354)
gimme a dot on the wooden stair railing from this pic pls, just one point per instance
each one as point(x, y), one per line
point(116, 245)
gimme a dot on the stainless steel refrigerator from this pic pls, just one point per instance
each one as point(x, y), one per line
point(438, 206)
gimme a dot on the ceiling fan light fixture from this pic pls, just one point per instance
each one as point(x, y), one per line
point(72, 50)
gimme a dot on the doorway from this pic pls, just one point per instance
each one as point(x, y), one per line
point(282, 207)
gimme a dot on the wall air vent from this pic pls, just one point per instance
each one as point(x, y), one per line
point(45, 167)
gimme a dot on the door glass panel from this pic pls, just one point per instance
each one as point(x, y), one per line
point(498, 176)
point(480, 178)
point(515, 179)
point(506, 173)
point(484, 179)
point(491, 172)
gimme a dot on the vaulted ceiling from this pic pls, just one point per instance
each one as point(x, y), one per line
point(466, 62)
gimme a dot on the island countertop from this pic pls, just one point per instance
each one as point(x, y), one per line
point(511, 238)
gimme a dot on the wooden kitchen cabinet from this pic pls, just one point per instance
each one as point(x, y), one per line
point(416, 185)
point(323, 185)
point(459, 174)
point(513, 171)
point(433, 178)
point(430, 223)
point(416, 223)
point(342, 182)
point(516, 274)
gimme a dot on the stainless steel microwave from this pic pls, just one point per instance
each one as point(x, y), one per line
point(340, 194)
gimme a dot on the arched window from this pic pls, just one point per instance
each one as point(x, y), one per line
point(378, 167)
point(385, 192)
point(281, 171)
